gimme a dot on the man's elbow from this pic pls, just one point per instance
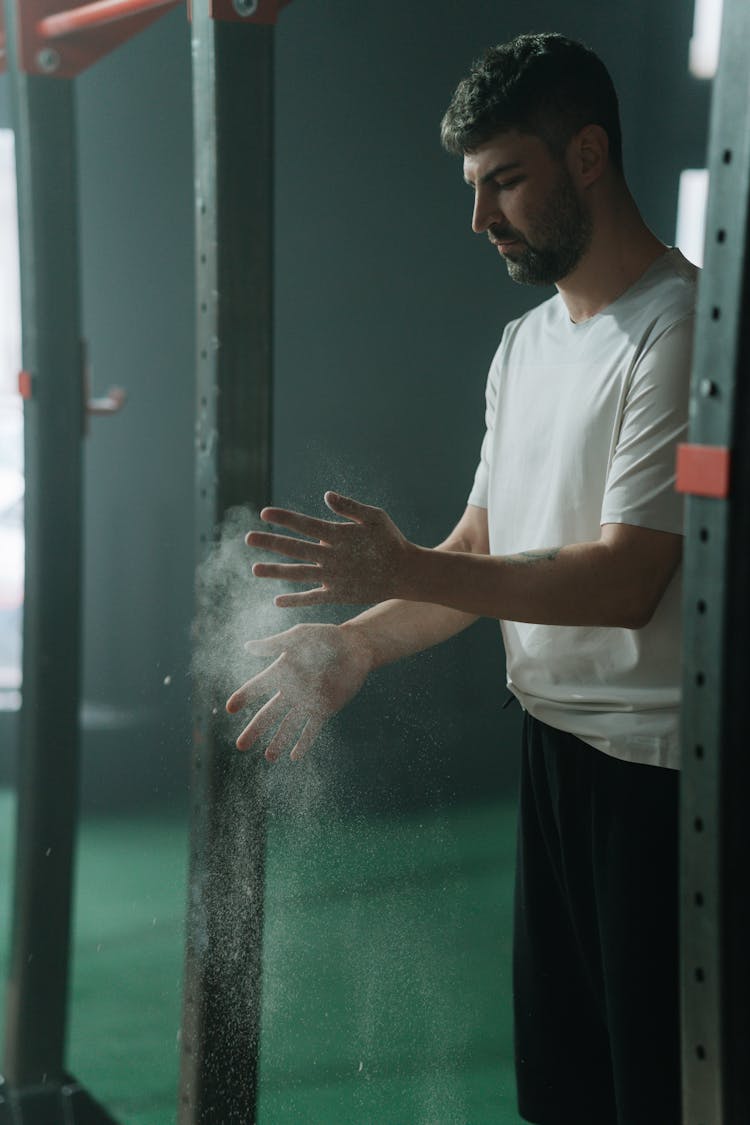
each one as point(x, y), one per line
point(639, 609)
point(636, 621)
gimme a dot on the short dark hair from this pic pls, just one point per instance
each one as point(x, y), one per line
point(544, 84)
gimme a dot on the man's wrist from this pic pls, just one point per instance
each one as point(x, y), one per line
point(409, 580)
point(359, 635)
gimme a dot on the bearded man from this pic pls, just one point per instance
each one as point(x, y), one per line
point(572, 539)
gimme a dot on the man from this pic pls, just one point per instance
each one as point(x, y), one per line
point(572, 539)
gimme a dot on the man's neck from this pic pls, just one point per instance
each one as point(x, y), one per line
point(622, 249)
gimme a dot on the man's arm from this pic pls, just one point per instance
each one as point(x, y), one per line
point(616, 580)
point(312, 671)
point(396, 628)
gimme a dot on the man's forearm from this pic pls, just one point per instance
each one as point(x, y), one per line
point(394, 629)
point(580, 584)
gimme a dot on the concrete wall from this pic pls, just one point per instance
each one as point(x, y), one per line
point(388, 312)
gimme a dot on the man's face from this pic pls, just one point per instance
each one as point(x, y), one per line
point(527, 203)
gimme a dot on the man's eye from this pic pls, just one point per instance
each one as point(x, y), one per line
point(509, 183)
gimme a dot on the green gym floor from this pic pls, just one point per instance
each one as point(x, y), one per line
point(387, 966)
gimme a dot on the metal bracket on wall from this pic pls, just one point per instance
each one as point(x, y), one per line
point(61, 38)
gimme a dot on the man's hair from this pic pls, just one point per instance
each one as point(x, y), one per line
point(544, 84)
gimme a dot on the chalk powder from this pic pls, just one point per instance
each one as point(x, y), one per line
point(384, 966)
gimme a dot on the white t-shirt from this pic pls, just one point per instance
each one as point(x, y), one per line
point(582, 424)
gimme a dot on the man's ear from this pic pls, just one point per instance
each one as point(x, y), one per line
point(588, 153)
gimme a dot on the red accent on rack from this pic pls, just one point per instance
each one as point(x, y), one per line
point(703, 470)
point(97, 14)
point(25, 384)
point(60, 38)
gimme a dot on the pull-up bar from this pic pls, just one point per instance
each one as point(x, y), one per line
point(97, 14)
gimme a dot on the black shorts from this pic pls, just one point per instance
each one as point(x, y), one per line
point(595, 962)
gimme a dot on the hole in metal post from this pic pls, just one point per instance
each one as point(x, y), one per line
point(700, 1051)
point(698, 824)
point(703, 535)
point(721, 235)
point(715, 312)
point(701, 606)
point(700, 976)
point(727, 157)
point(699, 751)
point(700, 679)
point(698, 899)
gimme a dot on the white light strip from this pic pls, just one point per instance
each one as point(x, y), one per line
point(691, 214)
point(704, 46)
point(10, 287)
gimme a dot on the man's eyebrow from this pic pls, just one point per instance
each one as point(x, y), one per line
point(498, 170)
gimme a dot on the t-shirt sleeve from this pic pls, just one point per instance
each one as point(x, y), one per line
point(480, 489)
point(640, 485)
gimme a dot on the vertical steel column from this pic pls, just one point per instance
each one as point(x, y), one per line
point(715, 825)
point(48, 768)
point(232, 75)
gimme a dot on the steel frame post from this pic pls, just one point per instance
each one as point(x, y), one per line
point(232, 81)
point(47, 792)
point(715, 827)
point(35, 1087)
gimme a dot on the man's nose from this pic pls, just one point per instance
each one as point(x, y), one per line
point(486, 212)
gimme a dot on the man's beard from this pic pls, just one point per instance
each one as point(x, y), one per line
point(557, 239)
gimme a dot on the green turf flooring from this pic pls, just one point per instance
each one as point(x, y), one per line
point(386, 962)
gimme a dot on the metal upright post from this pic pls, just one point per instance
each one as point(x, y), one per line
point(232, 76)
point(36, 1088)
point(714, 469)
point(48, 767)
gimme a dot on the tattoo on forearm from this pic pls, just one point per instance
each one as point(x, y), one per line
point(523, 558)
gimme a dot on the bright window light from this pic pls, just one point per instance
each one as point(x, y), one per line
point(691, 214)
point(704, 45)
point(11, 435)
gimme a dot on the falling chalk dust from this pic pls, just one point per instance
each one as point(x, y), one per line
point(317, 846)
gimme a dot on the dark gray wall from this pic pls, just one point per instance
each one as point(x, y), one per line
point(388, 312)
point(136, 216)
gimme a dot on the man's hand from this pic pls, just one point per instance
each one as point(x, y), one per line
point(363, 560)
point(314, 671)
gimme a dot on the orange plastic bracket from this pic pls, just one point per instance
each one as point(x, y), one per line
point(703, 470)
point(25, 384)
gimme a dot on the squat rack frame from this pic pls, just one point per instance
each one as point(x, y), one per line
point(713, 469)
point(48, 43)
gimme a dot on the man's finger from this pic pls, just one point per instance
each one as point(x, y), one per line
point(266, 646)
point(287, 734)
point(306, 739)
point(288, 572)
point(318, 596)
point(352, 509)
point(269, 714)
point(256, 688)
point(284, 545)
point(296, 521)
